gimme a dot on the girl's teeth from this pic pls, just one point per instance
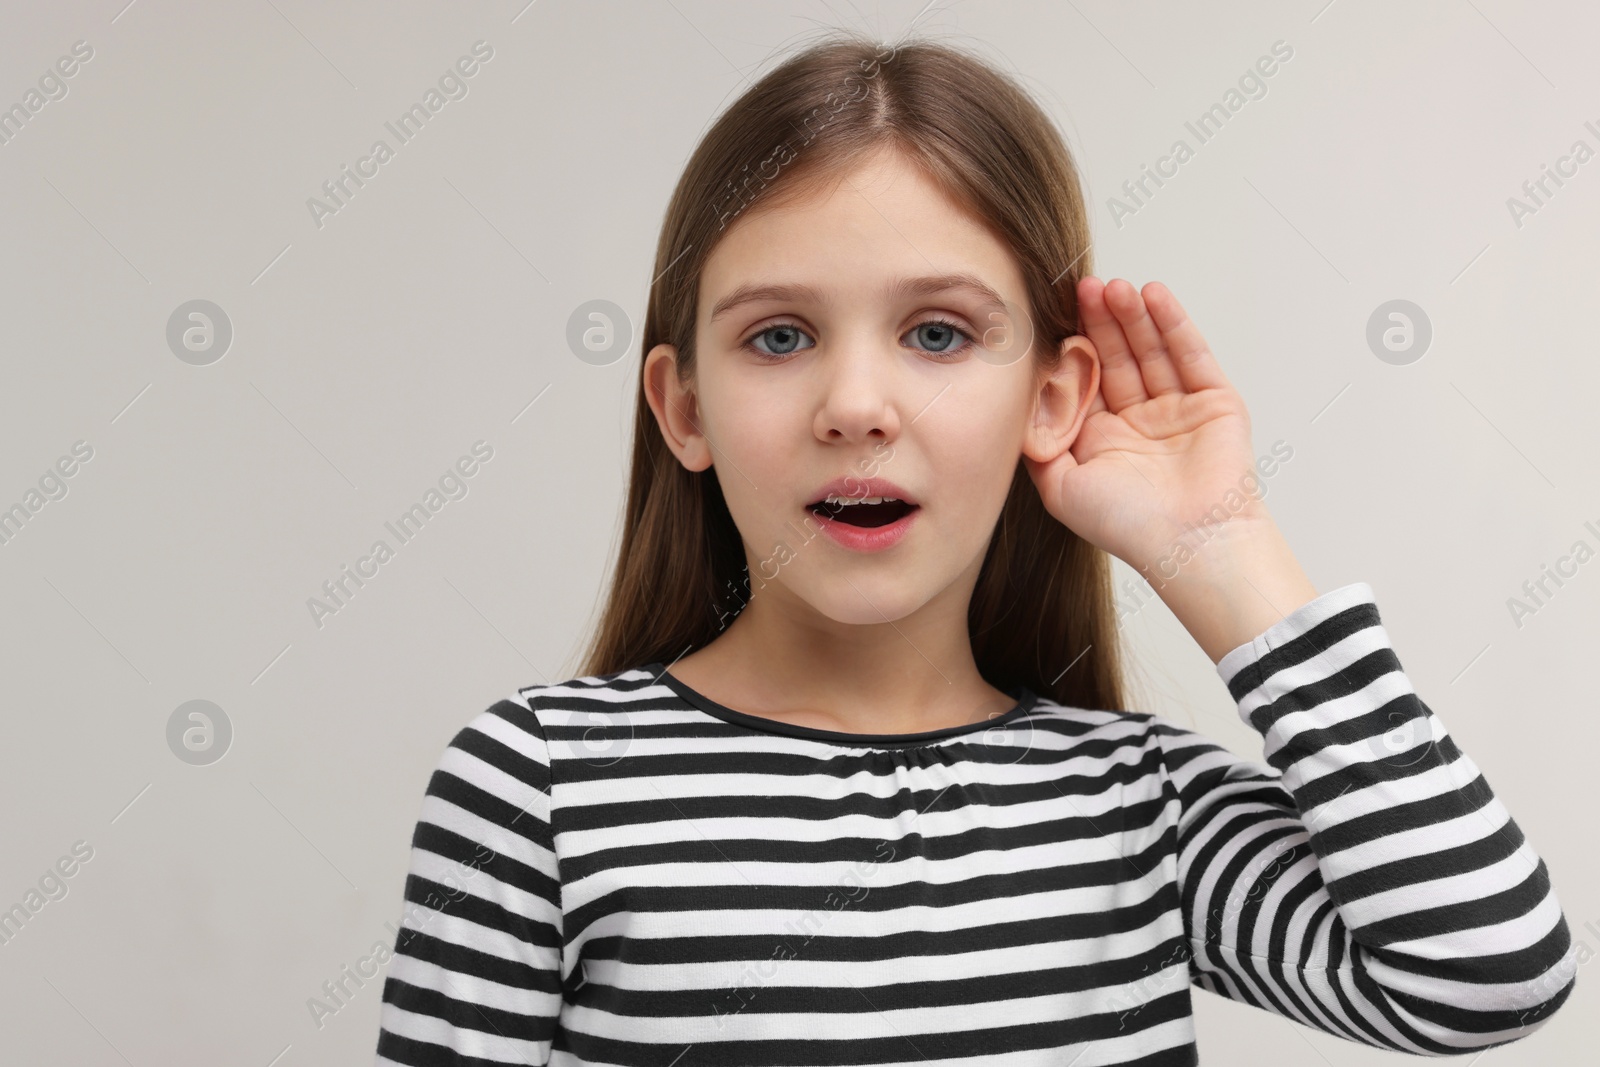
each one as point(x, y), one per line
point(860, 499)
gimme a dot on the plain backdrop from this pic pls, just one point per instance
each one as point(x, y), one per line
point(373, 347)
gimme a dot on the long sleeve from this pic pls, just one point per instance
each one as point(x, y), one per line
point(1369, 883)
point(476, 973)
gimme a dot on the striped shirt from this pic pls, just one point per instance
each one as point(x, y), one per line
point(617, 870)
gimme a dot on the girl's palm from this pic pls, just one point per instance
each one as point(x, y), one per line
point(1166, 442)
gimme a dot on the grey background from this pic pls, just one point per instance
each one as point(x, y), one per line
point(431, 312)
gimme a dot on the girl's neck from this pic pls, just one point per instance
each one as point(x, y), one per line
point(868, 680)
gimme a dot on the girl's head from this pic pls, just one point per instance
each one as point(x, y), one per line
point(867, 272)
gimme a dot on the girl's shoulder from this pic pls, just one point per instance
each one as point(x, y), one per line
point(1078, 730)
point(1048, 711)
point(596, 692)
point(533, 719)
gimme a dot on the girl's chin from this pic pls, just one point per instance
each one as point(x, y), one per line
point(873, 595)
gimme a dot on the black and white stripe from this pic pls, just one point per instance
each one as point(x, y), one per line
point(614, 870)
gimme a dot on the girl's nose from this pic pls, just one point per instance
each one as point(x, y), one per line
point(859, 379)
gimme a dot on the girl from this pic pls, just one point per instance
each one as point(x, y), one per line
point(849, 778)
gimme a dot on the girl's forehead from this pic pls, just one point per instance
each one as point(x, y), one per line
point(884, 185)
point(875, 232)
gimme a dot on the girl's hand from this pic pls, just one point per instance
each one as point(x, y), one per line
point(1166, 444)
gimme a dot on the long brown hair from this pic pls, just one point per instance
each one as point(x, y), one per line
point(1042, 613)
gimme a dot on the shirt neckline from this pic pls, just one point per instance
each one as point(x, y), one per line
point(1025, 698)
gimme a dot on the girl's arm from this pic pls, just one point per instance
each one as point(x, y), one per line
point(476, 972)
point(1371, 884)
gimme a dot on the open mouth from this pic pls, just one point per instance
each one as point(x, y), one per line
point(862, 511)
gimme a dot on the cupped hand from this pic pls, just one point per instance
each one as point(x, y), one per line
point(1165, 447)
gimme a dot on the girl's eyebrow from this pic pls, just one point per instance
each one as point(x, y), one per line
point(927, 285)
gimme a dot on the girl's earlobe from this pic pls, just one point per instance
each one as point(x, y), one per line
point(676, 408)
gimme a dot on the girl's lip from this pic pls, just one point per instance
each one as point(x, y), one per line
point(855, 487)
point(866, 538)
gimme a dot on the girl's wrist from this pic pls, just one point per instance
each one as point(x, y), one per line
point(1230, 582)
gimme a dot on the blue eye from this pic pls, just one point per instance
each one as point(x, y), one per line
point(784, 339)
point(944, 334)
point(788, 339)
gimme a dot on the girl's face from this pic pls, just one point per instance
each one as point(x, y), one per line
point(872, 330)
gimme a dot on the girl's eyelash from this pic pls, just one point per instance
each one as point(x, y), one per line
point(749, 342)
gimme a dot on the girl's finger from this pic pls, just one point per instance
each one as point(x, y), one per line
point(1160, 376)
point(1196, 365)
point(1120, 381)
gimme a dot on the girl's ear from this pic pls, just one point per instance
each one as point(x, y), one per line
point(1064, 401)
point(676, 408)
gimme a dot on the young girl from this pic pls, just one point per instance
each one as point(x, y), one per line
point(849, 778)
